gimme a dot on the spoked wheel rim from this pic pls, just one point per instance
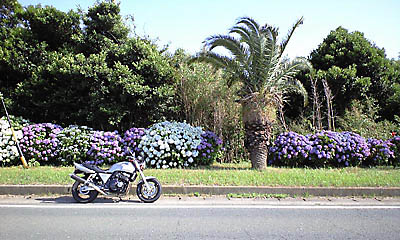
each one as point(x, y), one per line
point(149, 193)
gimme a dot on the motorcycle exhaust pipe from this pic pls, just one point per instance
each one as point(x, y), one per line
point(81, 180)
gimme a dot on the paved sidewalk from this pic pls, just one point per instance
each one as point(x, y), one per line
point(220, 190)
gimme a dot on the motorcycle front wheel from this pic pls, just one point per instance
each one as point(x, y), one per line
point(149, 195)
point(81, 195)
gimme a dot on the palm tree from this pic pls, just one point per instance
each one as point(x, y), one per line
point(256, 61)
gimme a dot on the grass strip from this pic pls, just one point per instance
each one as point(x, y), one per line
point(227, 175)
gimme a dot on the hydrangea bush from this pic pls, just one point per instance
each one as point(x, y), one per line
point(290, 149)
point(74, 144)
point(396, 150)
point(8, 150)
point(132, 139)
point(175, 144)
point(209, 148)
point(105, 147)
point(333, 149)
point(351, 149)
point(40, 143)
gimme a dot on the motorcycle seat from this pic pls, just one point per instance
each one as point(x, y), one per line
point(94, 168)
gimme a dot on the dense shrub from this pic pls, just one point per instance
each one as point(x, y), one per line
point(351, 149)
point(174, 144)
point(40, 143)
point(332, 149)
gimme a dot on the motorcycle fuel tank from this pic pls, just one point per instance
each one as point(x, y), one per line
point(122, 166)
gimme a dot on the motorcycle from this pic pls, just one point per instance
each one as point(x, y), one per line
point(113, 181)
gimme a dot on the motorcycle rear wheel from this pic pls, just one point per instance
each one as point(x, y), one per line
point(149, 195)
point(83, 197)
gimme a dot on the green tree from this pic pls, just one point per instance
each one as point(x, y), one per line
point(103, 27)
point(82, 68)
point(256, 62)
point(355, 69)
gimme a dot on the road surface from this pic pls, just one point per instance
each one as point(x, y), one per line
point(198, 218)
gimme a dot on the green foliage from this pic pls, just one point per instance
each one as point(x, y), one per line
point(47, 24)
point(361, 119)
point(103, 27)
point(355, 68)
point(82, 68)
point(206, 100)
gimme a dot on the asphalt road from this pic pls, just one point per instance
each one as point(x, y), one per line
point(59, 218)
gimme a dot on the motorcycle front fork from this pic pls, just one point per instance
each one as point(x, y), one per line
point(142, 175)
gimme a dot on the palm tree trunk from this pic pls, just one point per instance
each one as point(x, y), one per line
point(256, 142)
point(258, 129)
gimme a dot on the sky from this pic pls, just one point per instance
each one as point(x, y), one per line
point(187, 23)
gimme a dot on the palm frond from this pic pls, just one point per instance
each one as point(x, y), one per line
point(283, 80)
point(290, 34)
point(249, 23)
point(228, 42)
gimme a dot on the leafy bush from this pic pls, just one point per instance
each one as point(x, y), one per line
point(174, 144)
point(40, 143)
point(74, 144)
point(362, 118)
point(322, 148)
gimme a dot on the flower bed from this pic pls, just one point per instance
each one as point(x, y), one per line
point(333, 149)
point(163, 145)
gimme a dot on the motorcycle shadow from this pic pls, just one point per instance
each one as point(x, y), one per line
point(68, 199)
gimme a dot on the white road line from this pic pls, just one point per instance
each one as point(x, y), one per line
point(146, 206)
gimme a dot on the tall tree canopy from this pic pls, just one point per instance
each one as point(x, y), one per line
point(82, 68)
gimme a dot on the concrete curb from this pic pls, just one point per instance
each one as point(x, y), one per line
point(220, 190)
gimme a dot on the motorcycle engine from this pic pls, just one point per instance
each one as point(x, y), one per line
point(118, 183)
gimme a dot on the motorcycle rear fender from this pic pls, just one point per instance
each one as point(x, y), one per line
point(80, 167)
